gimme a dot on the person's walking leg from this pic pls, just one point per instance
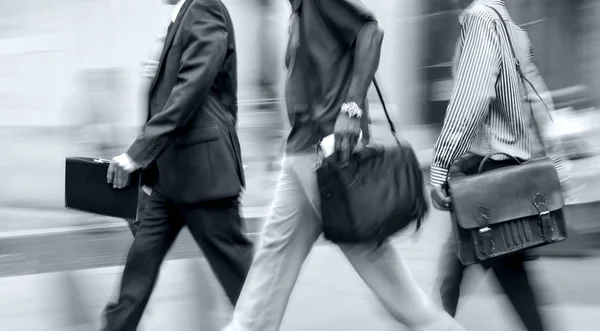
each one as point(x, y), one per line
point(217, 228)
point(387, 276)
point(289, 233)
point(155, 236)
point(514, 280)
point(450, 275)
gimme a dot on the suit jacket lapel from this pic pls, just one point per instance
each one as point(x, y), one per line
point(168, 42)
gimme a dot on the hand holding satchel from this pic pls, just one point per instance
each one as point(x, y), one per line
point(440, 199)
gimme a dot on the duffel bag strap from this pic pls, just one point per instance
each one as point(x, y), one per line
point(379, 93)
point(385, 111)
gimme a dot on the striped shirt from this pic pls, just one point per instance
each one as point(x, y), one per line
point(490, 110)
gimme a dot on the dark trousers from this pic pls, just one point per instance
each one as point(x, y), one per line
point(217, 228)
point(510, 271)
point(134, 225)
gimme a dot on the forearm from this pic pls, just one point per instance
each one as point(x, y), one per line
point(473, 90)
point(366, 61)
point(469, 104)
point(453, 142)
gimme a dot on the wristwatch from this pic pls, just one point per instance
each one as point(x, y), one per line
point(352, 110)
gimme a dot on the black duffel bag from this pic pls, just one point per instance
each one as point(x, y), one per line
point(379, 193)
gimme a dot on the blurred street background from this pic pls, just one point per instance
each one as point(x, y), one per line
point(70, 85)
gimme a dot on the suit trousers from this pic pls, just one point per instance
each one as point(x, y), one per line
point(510, 271)
point(292, 227)
point(134, 225)
point(216, 226)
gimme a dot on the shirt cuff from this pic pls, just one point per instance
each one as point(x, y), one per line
point(437, 175)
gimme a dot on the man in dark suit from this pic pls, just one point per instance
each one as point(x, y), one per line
point(190, 160)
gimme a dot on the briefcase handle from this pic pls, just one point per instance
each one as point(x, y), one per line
point(487, 158)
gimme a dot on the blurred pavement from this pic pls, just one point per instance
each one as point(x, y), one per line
point(329, 295)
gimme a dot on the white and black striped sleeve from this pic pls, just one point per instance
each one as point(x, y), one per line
point(473, 90)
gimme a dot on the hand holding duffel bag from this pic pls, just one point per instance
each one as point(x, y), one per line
point(378, 193)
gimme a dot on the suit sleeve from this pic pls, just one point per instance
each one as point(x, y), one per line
point(345, 17)
point(204, 47)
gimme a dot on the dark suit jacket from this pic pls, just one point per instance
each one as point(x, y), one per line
point(189, 149)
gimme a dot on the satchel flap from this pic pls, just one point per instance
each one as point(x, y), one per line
point(505, 194)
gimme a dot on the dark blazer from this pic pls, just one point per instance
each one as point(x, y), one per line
point(189, 149)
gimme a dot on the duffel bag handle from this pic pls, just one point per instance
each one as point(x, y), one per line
point(487, 158)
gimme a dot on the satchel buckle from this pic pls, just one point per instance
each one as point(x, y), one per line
point(545, 228)
point(485, 243)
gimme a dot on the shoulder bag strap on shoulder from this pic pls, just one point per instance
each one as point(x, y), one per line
point(516, 60)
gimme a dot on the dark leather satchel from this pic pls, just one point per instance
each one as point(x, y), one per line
point(507, 210)
point(86, 189)
point(379, 193)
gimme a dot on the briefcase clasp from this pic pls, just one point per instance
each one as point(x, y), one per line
point(101, 161)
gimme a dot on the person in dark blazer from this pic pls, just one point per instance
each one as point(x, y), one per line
point(190, 160)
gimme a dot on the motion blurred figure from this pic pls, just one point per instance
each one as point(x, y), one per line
point(94, 110)
point(321, 75)
point(190, 160)
point(487, 115)
point(269, 100)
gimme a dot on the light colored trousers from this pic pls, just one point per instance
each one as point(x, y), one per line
point(291, 229)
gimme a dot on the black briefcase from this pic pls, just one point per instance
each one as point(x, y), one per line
point(86, 189)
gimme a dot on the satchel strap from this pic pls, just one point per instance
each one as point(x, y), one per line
point(487, 158)
point(517, 62)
